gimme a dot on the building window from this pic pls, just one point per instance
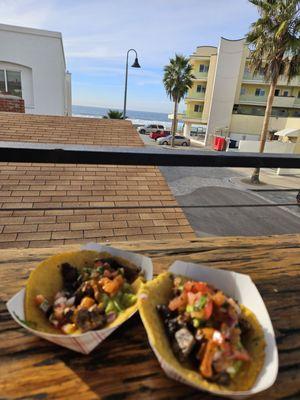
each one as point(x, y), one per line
point(2, 81)
point(285, 93)
point(243, 91)
point(203, 68)
point(298, 95)
point(260, 92)
point(10, 82)
point(197, 108)
point(201, 89)
point(277, 92)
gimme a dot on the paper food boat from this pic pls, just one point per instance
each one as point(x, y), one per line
point(85, 342)
point(241, 288)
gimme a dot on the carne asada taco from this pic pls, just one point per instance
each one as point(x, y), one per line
point(204, 336)
point(72, 293)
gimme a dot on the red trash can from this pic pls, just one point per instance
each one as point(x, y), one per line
point(221, 145)
point(216, 142)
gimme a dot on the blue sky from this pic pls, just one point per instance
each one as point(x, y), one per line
point(98, 33)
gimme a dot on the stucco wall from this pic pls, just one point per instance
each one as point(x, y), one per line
point(42, 53)
point(252, 124)
point(226, 79)
point(270, 147)
point(209, 87)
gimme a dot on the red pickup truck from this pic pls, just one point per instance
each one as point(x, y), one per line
point(158, 134)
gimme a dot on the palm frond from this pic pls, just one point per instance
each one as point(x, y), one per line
point(274, 39)
point(178, 77)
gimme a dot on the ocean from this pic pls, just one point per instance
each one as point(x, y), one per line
point(137, 117)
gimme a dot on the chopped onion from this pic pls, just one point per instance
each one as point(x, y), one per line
point(111, 317)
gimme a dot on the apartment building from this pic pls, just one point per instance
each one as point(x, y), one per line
point(33, 68)
point(228, 99)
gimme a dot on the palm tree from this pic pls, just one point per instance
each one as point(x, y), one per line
point(274, 41)
point(113, 114)
point(178, 79)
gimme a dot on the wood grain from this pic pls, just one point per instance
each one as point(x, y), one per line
point(124, 367)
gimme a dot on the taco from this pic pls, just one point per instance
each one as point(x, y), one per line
point(72, 293)
point(202, 336)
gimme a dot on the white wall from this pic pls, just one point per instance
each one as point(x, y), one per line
point(40, 52)
point(275, 146)
point(229, 60)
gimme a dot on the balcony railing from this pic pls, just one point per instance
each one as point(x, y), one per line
point(77, 154)
point(194, 96)
point(200, 75)
point(279, 101)
point(258, 78)
point(193, 114)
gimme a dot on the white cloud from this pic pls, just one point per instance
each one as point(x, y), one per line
point(98, 33)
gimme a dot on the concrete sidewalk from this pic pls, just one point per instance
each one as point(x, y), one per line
point(268, 178)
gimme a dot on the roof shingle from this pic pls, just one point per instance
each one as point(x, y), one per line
point(59, 197)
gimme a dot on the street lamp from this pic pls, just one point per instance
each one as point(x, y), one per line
point(134, 65)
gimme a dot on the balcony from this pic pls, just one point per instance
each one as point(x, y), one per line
point(284, 101)
point(195, 96)
point(279, 101)
point(249, 78)
point(200, 76)
point(191, 114)
point(297, 102)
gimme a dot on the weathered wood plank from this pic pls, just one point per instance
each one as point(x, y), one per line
point(124, 367)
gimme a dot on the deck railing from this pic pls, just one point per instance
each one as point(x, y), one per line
point(77, 154)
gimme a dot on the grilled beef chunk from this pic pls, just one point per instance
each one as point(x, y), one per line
point(70, 277)
point(130, 273)
point(84, 290)
point(244, 325)
point(164, 311)
point(88, 320)
point(68, 315)
point(222, 378)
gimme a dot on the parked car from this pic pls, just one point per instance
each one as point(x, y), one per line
point(146, 129)
point(179, 140)
point(156, 135)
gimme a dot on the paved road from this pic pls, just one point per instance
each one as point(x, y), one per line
point(195, 186)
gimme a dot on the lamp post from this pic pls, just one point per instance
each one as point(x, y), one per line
point(134, 65)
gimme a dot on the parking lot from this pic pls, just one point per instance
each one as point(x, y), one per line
point(150, 142)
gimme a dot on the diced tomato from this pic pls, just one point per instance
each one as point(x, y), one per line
point(193, 297)
point(208, 309)
point(195, 287)
point(227, 349)
point(98, 263)
point(241, 355)
point(178, 302)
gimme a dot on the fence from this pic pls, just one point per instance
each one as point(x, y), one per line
point(75, 154)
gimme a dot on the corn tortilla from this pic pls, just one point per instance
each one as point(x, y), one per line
point(159, 291)
point(46, 279)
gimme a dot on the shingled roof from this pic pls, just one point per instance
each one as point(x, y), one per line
point(72, 189)
point(67, 130)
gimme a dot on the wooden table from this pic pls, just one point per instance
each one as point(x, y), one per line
point(124, 367)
